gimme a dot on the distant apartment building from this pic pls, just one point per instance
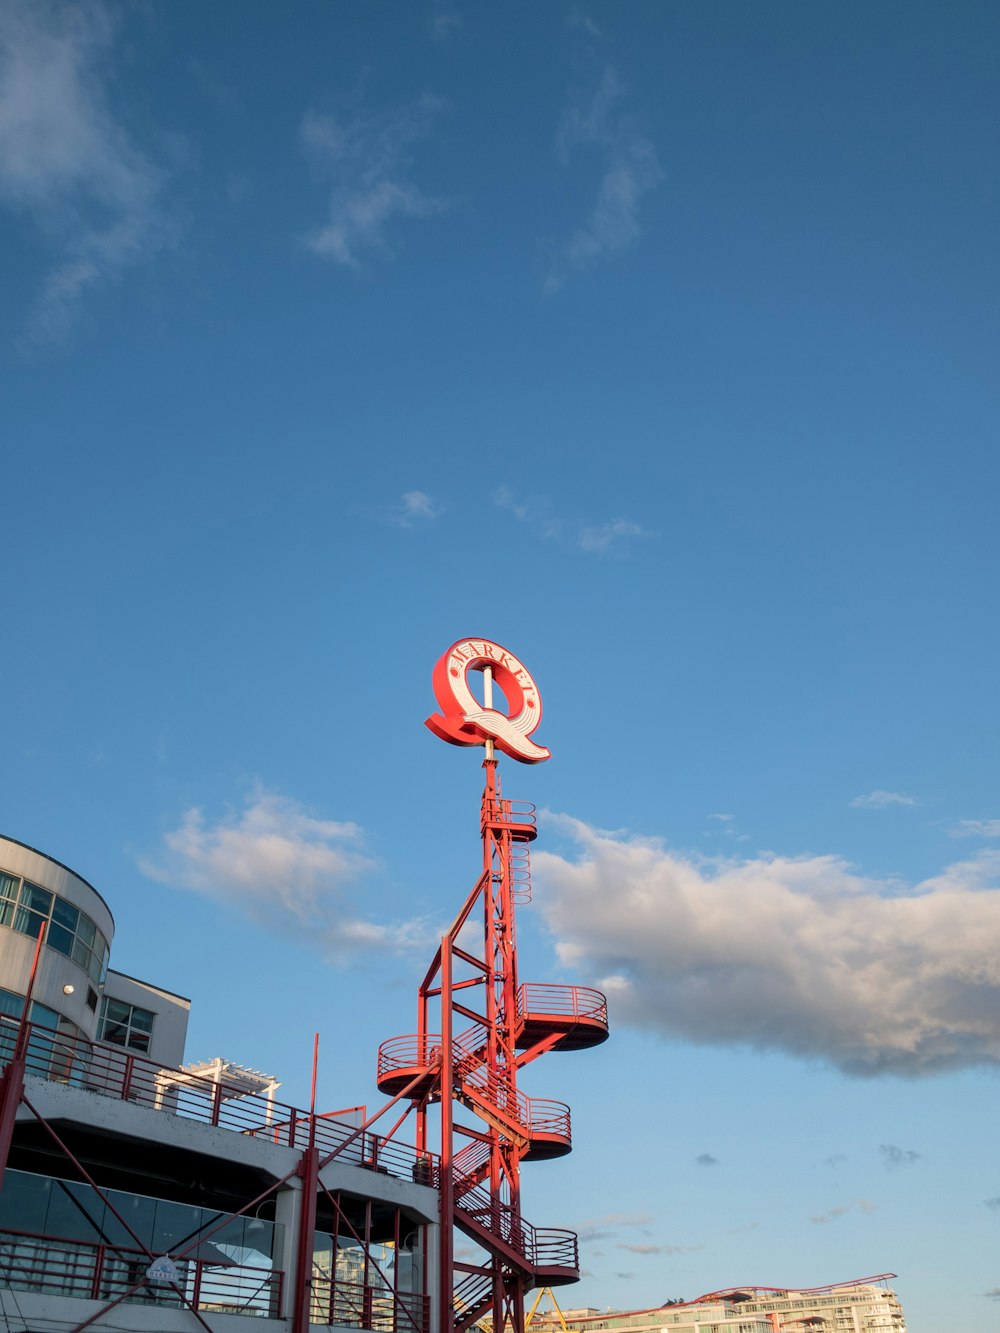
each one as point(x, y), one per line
point(862, 1305)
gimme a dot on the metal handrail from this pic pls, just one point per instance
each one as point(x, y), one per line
point(536, 1115)
point(97, 1271)
point(541, 1247)
point(501, 811)
point(541, 998)
point(113, 1071)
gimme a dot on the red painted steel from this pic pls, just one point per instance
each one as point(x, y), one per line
point(452, 1067)
point(92, 1271)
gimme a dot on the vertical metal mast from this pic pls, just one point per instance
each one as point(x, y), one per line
point(490, 1026)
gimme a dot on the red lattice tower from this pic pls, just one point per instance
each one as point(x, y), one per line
point(478, 1026)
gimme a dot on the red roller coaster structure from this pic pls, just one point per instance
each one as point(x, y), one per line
point(478, 1025)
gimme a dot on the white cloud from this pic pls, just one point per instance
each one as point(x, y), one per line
point(831, 1215)
point(802, 955)
point(976, 828)
point(417, 507)
point(606, 538)
point(630, 170)
point(278, 863)
point(367, 158)
point(880, 800)
point(65, 161)
point(893, 1157)
point(577, 19)
point(601, 538)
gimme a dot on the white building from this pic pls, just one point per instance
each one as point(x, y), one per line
point(199, 1163)
point(862, 1305)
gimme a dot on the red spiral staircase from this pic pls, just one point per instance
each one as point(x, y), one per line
point(491, 1027)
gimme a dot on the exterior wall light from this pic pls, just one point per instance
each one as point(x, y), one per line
point(68, 990)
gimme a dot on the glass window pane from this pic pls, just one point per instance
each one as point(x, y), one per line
point(138, 1211)
point(60, 939)
point(139, 1041)
point(39, 900)
point(176, 1224)
point(117, 1010)
point(41, 1013)
point(10, 1004)
point(93, 968)
point(65, 913)
point(28, 923)
point(115, 1032)
point(86, 929)
point(142, 1019)
point(9, 885)
point(7, 910)
point(80, 953)
point(24, 1201)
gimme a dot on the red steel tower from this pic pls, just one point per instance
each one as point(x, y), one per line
point(478, 1025)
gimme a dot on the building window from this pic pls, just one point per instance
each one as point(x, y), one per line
point(25, 906)
point(126, 1024)
point(58, 1049)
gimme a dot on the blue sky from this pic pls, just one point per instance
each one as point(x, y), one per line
point(657, 343)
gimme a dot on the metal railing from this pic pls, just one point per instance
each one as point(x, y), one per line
point(518, 813)
point(112, 1071)
point(357, 1305)
point(99, 1272)
point(552, 1001)
point(535, 1115)
point(541, 1247)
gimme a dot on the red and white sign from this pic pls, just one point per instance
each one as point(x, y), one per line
point(463, 720)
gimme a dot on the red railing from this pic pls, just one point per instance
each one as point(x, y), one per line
point(114, 1072)
point(357, 1305)
point(511, 812)
point(558, 1001)
point(98, 1272)
point(535, 1115)
point(541, 1247)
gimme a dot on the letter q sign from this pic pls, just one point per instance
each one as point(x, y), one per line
point(463, 720)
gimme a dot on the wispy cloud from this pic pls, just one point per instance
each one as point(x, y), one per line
point(610, 1225)
point(612, 537)
point(576, 18)
point(415, 509)
point(832, 1214)
point(660, 1249)
point(446, 18)
point(993, 1204)
point(368, 158)
point(630, 169)
point(993, 1294)
point(893, 1158)
point(66, 161)
point(880, 800)
point(706, 1159)
point(798, 954)
point(284, 866)
point(976, 828)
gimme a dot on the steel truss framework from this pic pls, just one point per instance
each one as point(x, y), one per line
point(477, 1027)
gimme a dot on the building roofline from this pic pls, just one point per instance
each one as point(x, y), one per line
point(62, 866)
point(151, 984)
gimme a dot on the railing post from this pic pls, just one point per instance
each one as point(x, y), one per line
point(196, 1292)
point(216, 1103)
point(127, 1077)
point(95, 1284)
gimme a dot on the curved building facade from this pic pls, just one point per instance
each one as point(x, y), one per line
point(35, 892)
